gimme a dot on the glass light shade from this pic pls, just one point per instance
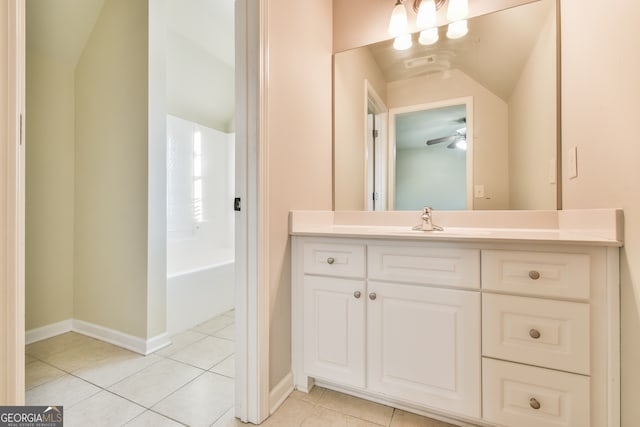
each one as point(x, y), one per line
point(457, 10)
point(428, 37)
point(457, 29)
point(426, 14)
point(398, 24)
point(462, 144)
point(402, 42)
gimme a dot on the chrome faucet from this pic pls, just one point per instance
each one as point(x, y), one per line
point(427, 221)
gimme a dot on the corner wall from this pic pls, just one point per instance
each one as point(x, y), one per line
point(533, 131)
point(49, 190)
point(111, 164)
point(351, 69)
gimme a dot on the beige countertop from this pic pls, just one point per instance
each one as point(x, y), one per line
point(591, 226)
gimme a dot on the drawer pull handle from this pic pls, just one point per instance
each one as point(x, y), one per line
point(533, 402)
point(373, 296)
point(534, 275)
point(330, 260)
point(357, 294)
point(534, 333)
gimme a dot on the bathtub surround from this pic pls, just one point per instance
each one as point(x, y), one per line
point(200, 223)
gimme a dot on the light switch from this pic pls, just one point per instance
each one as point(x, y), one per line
point(478, 191)
point(573, 162)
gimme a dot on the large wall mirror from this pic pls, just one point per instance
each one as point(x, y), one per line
point(469, 123)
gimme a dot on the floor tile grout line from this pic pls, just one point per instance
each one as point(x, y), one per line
point(99, 388)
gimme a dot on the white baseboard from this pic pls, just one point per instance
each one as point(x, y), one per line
point(47, 331)
point(157, 342)
point(280, 392)
point(130, 342)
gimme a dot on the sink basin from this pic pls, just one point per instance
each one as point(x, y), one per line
point(448, 231)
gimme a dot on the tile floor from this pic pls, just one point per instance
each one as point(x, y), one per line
point(188, 383)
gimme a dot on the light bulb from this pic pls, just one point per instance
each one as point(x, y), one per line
point(462, 144)
point(428, 37)
point(457, 10)
point(398, 24)
point(457, 29)
point(426, 14)
point(402, 42)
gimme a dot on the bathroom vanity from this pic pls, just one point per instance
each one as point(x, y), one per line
point(501, 319)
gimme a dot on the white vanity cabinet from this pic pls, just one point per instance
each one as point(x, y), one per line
point(545, 337)
point(405, 323)
point(518, 334)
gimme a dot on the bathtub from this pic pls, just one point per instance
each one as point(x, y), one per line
point(196, 294)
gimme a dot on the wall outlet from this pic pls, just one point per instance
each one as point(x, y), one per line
point(573, 162)
point(478, 191)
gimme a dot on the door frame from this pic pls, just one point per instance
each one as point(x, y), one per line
point(391, 168)
point(252, 275)
point(252, 299)
point(12, 88)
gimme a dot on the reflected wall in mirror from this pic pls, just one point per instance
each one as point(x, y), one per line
point(505, 70)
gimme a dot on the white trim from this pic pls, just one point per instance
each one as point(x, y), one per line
point(252, 298)
point(372, 98)
point(391, 170)
point(12, 78)
point(613, 333)
point(280, 392)
point(48, 331)
point(130, 342)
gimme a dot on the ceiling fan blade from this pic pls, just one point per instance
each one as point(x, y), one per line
point(443, 139)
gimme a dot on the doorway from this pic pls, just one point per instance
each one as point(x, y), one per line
point(432, 156)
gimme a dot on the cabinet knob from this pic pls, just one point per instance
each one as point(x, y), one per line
point(534, 333)
point(373, 296)
point(533, 402)
point(535, 275)
point(357, 294)
point(331, 260)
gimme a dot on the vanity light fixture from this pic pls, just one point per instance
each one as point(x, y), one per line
point(399, 27)
point(457, 11)
point(457, 29)
point(398, 24)
point(402, 42)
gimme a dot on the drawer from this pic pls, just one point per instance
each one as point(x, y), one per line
point(552, 334)
point(526, 396)
point(334, 259)
point(431, 266)
point(537, 273)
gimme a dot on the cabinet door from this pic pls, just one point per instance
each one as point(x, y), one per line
point(424, 345)
point(334, 329)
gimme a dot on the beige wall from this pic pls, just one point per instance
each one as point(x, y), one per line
point(600, 110)
point(49, 190)
point(533, 131)
point(111, 171)
point(298, 146)
point(490, 136)
point(351, 69)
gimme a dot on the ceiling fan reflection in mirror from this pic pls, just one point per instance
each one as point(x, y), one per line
point(457, 140)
